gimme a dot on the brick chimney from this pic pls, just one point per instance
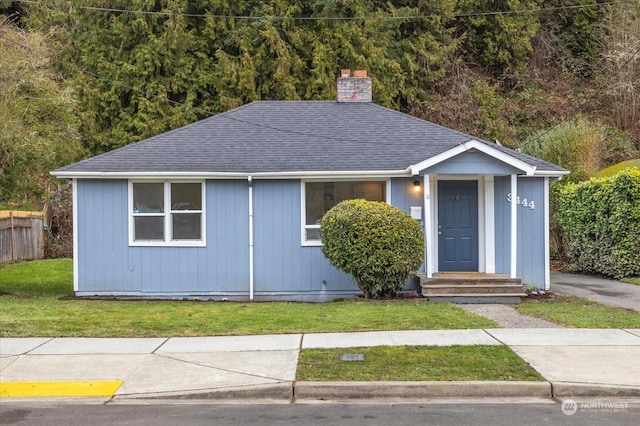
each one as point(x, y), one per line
point(356, 88)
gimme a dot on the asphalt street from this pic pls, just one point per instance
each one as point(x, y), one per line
point(443, 412)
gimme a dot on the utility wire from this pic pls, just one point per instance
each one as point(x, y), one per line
point(109, 80)
point(323, 18)
point(208, 113)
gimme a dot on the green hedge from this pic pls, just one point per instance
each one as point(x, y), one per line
point(600, 220)
point(378, 244)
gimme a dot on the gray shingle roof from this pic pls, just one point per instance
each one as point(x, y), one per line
point(290, 136)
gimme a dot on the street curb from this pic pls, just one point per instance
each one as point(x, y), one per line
point(291, 392)
point(569, 389)
point(278, 391)
point(419, 390)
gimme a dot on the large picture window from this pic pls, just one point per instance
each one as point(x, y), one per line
point(166, 213)
point(319, 197)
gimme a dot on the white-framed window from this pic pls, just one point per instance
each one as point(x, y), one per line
point(165, 213)
point(320, 196)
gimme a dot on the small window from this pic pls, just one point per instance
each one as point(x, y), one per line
point(319, 197)
point(148, 211)
point(165, 213)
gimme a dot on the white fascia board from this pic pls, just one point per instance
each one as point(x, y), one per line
point(147, 175)
point(443, 156)
point(348, 174)
point(381, 174)
point(551, 173)
point(528, 169)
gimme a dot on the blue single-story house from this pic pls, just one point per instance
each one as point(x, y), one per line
point(229, 207)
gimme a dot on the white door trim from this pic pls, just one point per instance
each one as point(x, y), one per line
point(482, 214)
point(428, 227)
point(489, 225)
point(514, 227)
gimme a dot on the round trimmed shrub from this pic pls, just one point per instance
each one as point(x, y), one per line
point(379, 245)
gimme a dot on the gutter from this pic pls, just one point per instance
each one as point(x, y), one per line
point(233, 175)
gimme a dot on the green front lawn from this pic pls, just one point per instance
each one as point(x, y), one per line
point(415, 363)
point(51, 277)
point(30, 304)
point(30, 293)
point(578, 312)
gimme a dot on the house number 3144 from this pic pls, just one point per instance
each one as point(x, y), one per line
point(522, 202)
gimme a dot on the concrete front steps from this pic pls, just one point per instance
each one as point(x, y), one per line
point(471, 287)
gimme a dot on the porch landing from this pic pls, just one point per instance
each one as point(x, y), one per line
point(471, 287)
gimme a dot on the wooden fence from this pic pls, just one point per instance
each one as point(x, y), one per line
point(22, 235)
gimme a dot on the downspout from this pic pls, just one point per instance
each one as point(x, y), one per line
point(249, 180)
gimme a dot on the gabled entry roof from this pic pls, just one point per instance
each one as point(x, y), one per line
point(473, 146)
point(290, 138)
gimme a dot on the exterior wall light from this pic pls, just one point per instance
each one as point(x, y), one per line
point(416, 185)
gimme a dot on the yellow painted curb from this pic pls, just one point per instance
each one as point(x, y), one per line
point(58, 389)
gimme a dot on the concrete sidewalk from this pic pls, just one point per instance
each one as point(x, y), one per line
point(575, 362)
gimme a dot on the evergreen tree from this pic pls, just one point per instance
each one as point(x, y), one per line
point(37, 116)
point(139, 74)
point(497, 34)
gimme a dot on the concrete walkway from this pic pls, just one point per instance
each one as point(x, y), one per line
point(575, 362)
point(608, 292)
point(508, 317)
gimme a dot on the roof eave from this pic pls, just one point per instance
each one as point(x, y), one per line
point(231, 175)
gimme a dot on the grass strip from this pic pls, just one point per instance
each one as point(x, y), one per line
point(632, 280)
point(578, 312)
point(416, 363)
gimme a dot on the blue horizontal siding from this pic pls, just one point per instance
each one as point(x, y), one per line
point(102, 236)
point(404, 196)
point(531, 255)
point(106, 263)
point(471, 163)
point(282, 264)
point(283, 267)
point(530, 264)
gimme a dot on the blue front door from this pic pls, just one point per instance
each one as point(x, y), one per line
point(458, 225)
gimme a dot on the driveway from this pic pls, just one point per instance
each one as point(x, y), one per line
point(607, 292)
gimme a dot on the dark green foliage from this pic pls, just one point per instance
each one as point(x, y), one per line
point(38, 125)
point(158, 71)
point(501, 42)
point(490, 121)
point(137, 75)
point(466, 64)
point(379, 245)
point(577, 32)
point(600, 220)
